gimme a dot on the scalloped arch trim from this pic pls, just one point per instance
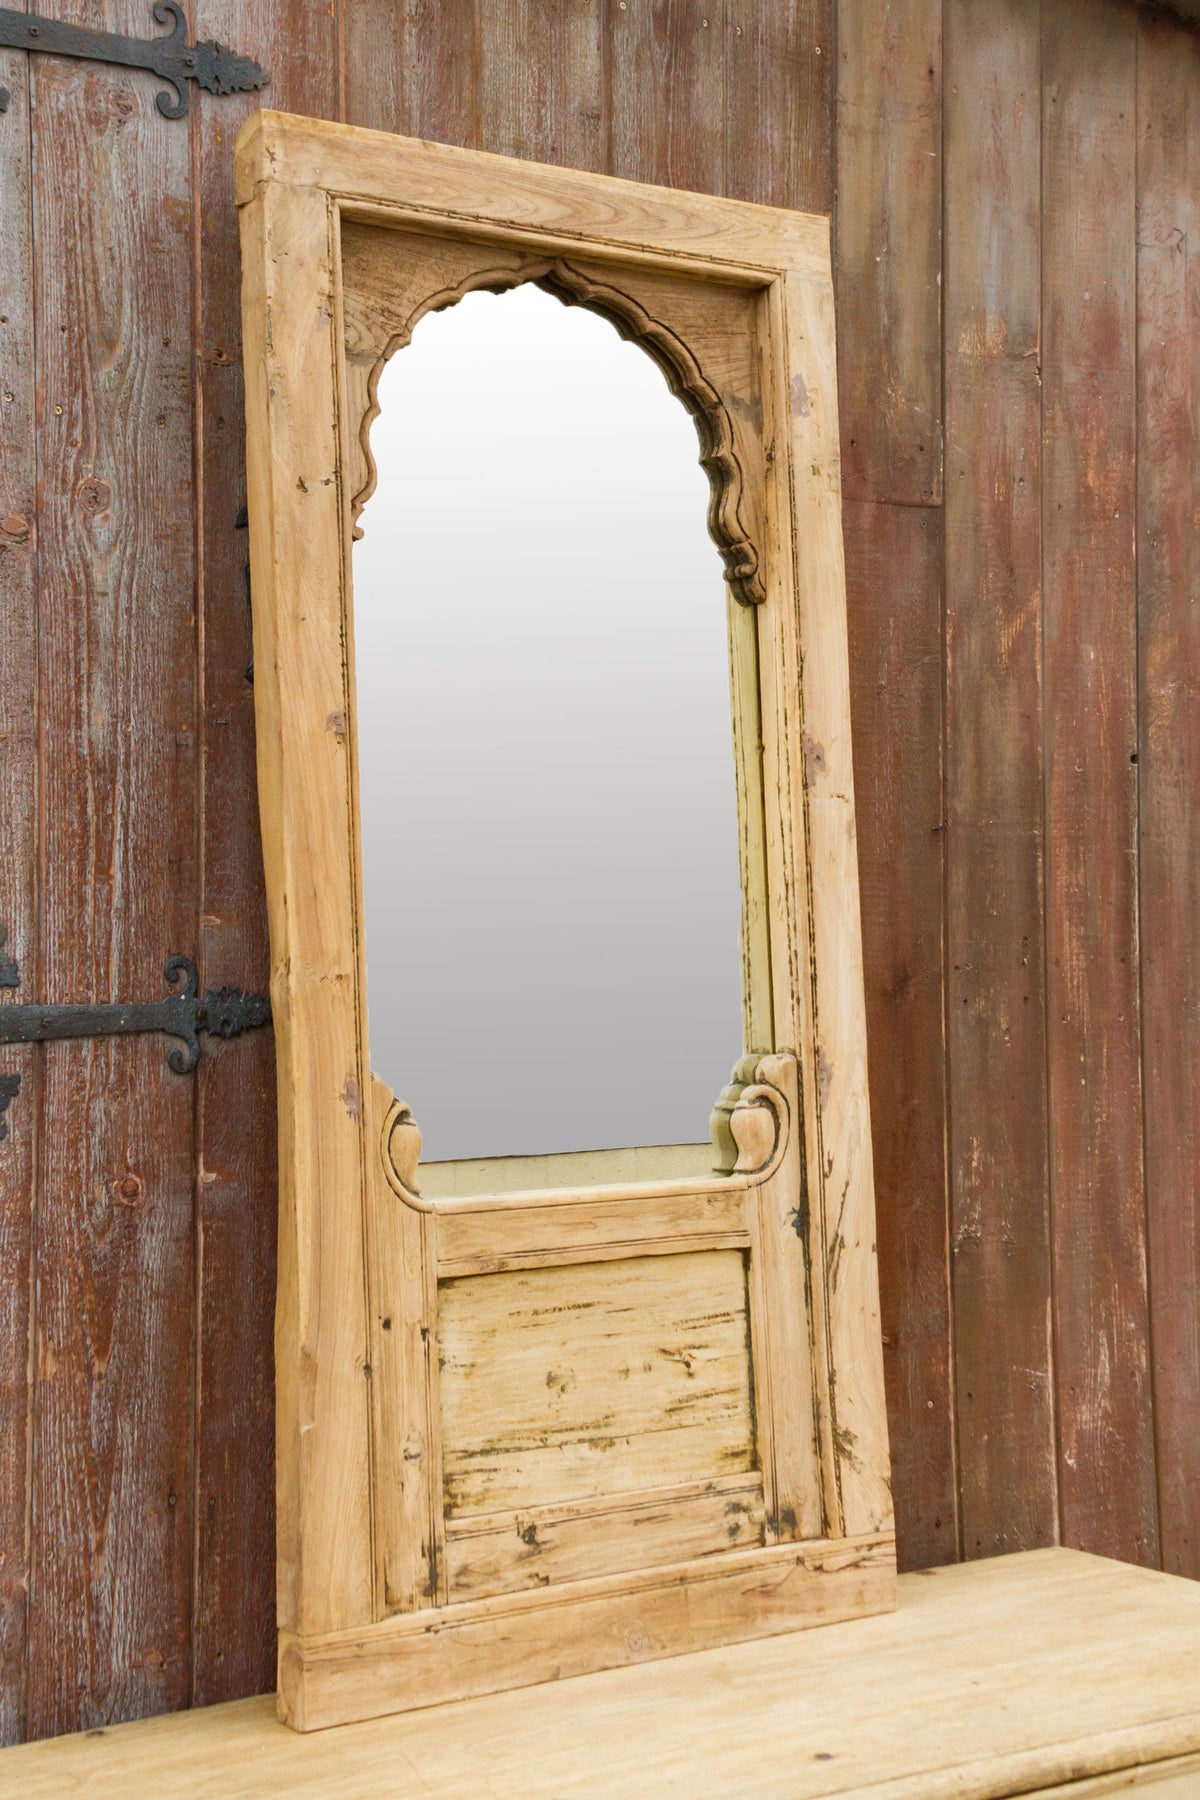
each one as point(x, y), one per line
point(684, 376)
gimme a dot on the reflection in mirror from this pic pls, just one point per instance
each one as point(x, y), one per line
point(549, 816)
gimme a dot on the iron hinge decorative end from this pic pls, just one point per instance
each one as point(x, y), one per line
point(222, 1012)
point(10, 1087)
point(212, 66)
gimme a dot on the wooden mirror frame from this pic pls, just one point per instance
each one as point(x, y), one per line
point(387, 1598)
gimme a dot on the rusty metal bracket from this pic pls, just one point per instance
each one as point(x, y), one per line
point(212, 66)
point(222, 1012)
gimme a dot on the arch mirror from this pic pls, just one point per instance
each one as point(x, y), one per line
point(551, 885)
point(558, 822)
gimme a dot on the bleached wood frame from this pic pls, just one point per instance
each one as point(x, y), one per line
point(347, 237)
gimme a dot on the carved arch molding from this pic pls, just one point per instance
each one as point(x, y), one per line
point(704, 345)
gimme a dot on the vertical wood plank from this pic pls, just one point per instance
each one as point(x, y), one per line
point(995, 950)
point(894, 594)
point(289, 256)
point(233, 1618)
point(1169, 751)
point(1106, 1464)
point(18, 866)
point(824, 1006)
point(111, 1529)
point(667, 92)
point(889, 214)
point(541, 81)
point(779, 102)
point(411, 66)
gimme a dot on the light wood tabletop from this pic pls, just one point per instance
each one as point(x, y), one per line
point(1049, 1672)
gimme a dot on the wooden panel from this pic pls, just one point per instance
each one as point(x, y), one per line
point(1000, 1677)
point(325, 1567)
point(1105, 1434)
point(889, 216)
point(595, 1378)
point(484, 1239)
point(995, 845)
point(818, 968)
point(894, 596)
point(409, 66)
point(484, 1646)
point(666, 90)
point(18, 867)
point(779, 82)
point(234, 1598)
point(541, 81)
point(1169, 752)
point(112, 1443)
point(497, 1553)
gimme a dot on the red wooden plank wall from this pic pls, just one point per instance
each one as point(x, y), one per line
point(1013, 192)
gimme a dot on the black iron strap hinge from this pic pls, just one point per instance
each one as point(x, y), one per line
point(212, 66)
point(221, 1012)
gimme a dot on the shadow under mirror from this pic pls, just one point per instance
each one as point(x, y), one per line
point(549, 813)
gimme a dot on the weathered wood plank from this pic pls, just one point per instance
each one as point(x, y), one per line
point(112, 1442)
point(497, 1553)
point(325, 1570)
point(541, 81)
point(779, 90)
point(18, 866)
point(894, 601)
point(995, 949)
point(1089, 280)
point(666, 61)
point(233, 1605)
point(1169, 752)
point(508, 1640)
point(889, 217)
point(594, 1378)
point(411, 66)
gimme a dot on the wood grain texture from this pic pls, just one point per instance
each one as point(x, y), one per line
point(234, 1582)
point(19, 868)
point(541, 81)
point(294, 454)
point(666, 89)
point(497, 1553)
point(528, 1408)
point(818, 970)
point(111, 1557)
point(1074, 1666)
point(894, 603)
point(511, 1640)
point(889, 212)
point(1001, 1270)
point(594, 1379)
point(408, 65)
point(1105, 1430)
point(779, 77)
point(414, 66)
point(1168, 278)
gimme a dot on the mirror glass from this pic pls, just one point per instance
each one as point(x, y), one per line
point(546, 776)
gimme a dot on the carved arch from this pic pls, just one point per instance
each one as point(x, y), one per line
point(714, 410)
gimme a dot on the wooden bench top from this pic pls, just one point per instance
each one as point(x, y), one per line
point(1014, 1676)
